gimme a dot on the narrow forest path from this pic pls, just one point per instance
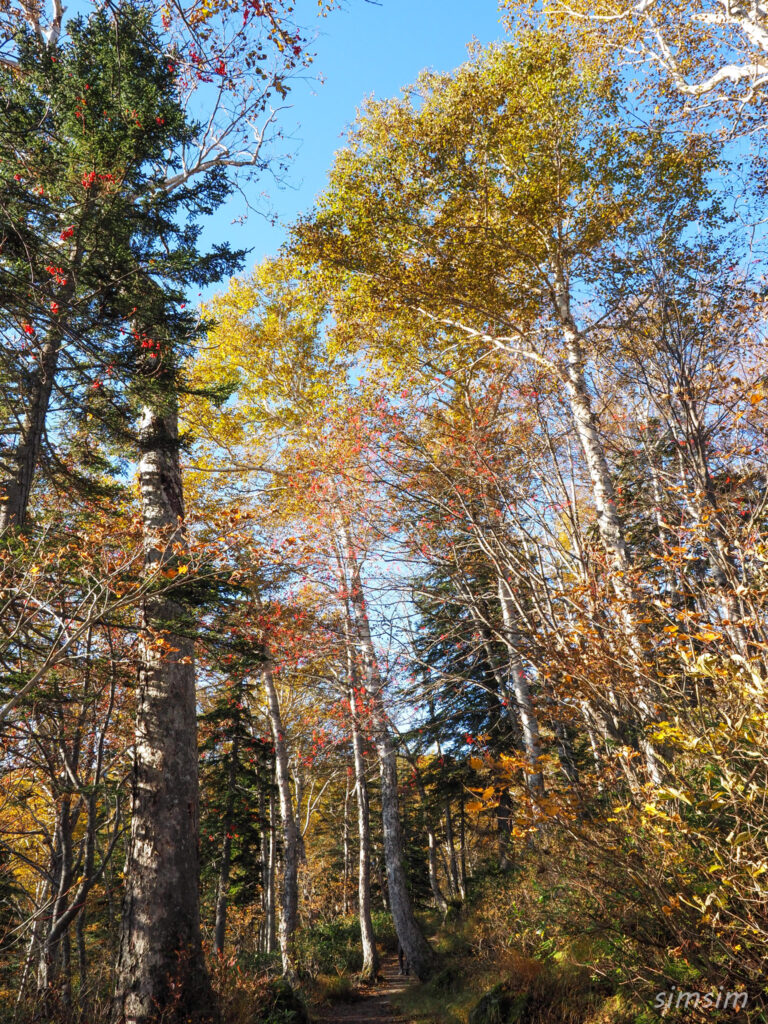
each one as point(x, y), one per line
point(373, 1005)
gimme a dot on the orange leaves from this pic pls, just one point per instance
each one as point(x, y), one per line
point(174, 572)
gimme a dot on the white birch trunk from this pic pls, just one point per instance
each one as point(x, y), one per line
point(370, 968)
point(420, 954)
point(608, 520)
point(522, 691)
point(289, 916)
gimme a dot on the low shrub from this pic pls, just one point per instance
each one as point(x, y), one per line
point(548, 995)
point(246, 998)
point(333, 947)
point(337, 989)
point(384, 930)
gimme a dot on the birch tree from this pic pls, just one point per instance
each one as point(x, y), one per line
point(500, 215)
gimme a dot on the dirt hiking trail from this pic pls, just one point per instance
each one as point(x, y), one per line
point(373, 1005)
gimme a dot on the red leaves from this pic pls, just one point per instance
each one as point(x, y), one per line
point(67, 233)
point(148, 343)
point(55, 273)
point(28, 329)
point(90, 179)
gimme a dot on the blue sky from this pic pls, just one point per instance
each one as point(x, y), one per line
point(363, 49)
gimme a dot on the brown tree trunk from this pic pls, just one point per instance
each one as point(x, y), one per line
point(161, 972)
point(417, 949)
point(504, 830)
point(565, 752)
point(17, 471)
point(61, 876)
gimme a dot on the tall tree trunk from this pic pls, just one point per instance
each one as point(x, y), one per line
point(50, 953)
point(272, 891)
point(462, 845)
point(17, 471)
point(504, 829)
point(346, 853)
point(434, 879)
point(222, 894)
point(35, 940)
point(450, 845)
point(565, 752)
point(417, 949)
point(370, 954)
point(717, 539)
point(161, 971)
point(289, 917)
point(432, 848)
point(264, 868)
point(82, 959)
point(608, 521)
point(382, 885)
point(66, 971)
point(522, 692)
point(268, 852)
point(420, 954)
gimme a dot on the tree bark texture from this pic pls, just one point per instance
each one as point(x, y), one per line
point(161, 972)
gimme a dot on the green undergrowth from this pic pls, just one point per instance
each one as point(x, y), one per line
point(512, 992)
point(330, 990)
point(550, 943)
point(334, 948)
point(329, 958)
point(520, 953)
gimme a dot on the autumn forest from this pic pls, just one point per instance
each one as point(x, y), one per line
point(383, 627)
